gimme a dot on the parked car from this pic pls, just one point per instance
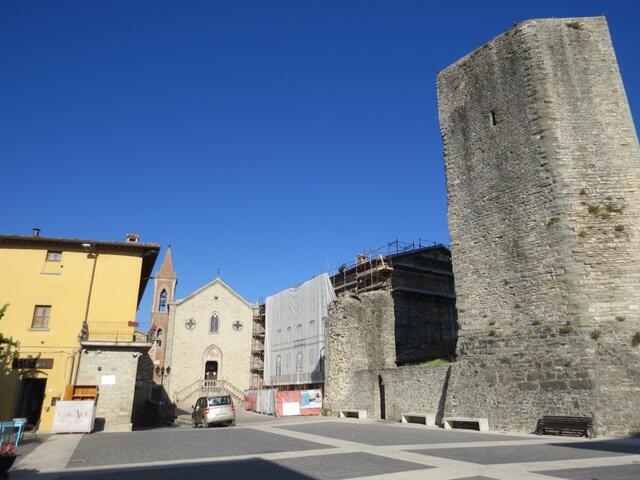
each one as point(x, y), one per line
point(216, 409)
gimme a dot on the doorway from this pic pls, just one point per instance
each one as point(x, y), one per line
point(31, 399)
point(211, 370)
point(383, 403)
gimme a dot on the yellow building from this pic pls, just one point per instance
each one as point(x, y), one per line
point(61, 291)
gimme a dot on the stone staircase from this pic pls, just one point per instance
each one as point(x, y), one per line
point(185, 397)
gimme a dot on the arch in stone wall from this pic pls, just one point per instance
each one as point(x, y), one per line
point(212, 353)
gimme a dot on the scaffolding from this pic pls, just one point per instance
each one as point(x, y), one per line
point(372, 269)
point(257, 347)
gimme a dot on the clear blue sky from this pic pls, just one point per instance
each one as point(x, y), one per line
point(269, 139)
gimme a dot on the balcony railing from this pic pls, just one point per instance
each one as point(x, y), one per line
point(107, 332)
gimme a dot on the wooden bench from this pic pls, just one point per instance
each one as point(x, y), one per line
point(428, 419)
point(564, 425)
point(361, 414)
point(480, 424)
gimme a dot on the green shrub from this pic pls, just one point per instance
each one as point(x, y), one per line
point(635, 340)
point(567, 329)
point(593, 209)
point(596, 334)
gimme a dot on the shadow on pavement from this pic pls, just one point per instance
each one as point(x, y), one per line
point(239, 469)
point(630, 446)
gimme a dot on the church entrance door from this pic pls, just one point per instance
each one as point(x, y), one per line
point(211, 370)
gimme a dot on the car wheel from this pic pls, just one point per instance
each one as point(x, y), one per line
point(204, 423)
point(193, 423)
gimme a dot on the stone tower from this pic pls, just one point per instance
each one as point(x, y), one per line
point(163, 295)
point(542, 164)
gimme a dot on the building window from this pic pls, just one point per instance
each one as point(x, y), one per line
point(54, 256)
point(159, 334)
point(299, 331)
point(41, 314)
point(321, 362)
point(289, 334)
point(279, 336)
point(312, 328)
point(162, 305)
point(299, 362)
point(278, 366)
point(214, 324)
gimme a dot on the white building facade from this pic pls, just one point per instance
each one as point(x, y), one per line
point(294, 337)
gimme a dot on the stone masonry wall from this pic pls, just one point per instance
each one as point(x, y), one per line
point(359, 337)
point(359, 344)
point(542, 164)
point(115, 401)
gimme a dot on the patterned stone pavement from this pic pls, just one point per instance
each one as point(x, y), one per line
point(327, 449)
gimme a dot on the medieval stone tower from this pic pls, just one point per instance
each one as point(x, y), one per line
point(163, 294)
point(543, 175)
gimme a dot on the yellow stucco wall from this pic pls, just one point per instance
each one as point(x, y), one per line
point(27, 280)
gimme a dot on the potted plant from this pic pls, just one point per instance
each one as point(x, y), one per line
point(7, 457)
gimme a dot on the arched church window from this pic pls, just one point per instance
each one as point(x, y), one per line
point(278, 366)
point(321, 360)
point(299, 362)
point(214, 324)
point(299, 331)
point(159, 334)
point(162, 304)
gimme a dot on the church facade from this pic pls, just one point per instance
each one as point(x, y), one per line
point(209, 338)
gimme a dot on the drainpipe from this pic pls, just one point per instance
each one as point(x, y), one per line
point(92, 250)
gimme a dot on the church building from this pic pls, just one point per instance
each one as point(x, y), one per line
point(208, 343)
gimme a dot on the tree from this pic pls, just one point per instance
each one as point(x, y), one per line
point(6, 343)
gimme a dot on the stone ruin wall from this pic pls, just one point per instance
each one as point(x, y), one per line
point(360, 346)
point(543, 217)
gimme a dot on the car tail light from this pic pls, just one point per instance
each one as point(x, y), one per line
point(206, 410)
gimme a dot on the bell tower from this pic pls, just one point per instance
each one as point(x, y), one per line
point(163, 295)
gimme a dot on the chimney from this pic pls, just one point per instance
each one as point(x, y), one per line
point(132, 238)
point(35, 232)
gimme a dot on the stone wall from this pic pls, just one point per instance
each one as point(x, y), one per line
point(359, 337)
point(360, 354)
point(101, 366)
point(542, 163)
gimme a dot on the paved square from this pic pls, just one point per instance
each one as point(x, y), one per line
point(348, 465)
point(162, 445)
point(618, 472)
point(385, 434)
point(324, 467)
point(239, 469)
point(526, 453)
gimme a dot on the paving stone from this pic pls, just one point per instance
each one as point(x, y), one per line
point(523, 453)
point(392, 435)
point(616, 472)
point(162, 445)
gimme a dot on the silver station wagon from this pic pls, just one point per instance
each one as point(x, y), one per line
point(217, 409)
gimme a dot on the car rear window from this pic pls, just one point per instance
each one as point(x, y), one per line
point(216, 401)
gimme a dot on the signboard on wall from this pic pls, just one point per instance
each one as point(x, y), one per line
point(74, 416)
point(108, 380)
point(32, 363)
point(311, 399)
